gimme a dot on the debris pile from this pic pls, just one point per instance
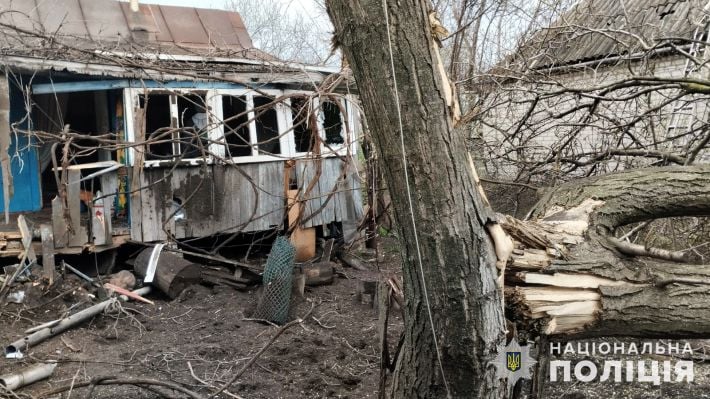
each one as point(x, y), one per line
point(161, 272)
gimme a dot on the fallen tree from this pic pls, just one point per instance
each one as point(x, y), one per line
point(565, 272)
point(569, 274)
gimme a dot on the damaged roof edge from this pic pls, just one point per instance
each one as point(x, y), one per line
point(247, 78)
point(246, 61)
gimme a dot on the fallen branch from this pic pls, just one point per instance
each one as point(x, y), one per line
point(64, 324)
point(628, 248)
point(258, 354)
point(203, 382)
point(112, 380)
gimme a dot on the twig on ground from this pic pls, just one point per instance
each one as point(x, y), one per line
point(112, 380)
point(203, 382)
point(321, 324)
point(268, 344)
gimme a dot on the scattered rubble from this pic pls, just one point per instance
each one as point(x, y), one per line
point(172, 273)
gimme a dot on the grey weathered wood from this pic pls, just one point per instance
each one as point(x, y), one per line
point(79, 237)
point(152, 209)
point(135, 203)
point(109, 187)
point(326, 185)
point(26, 238)
point(219, 199)
point(48, 264)
point(59, 226)
point(249, 198)
point(5, 166)
point(98, 225)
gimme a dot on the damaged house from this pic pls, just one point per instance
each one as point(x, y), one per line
point(605, 86)
point(163, 124)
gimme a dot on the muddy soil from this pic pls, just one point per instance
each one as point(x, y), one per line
point(332, 354)
point(206, 335)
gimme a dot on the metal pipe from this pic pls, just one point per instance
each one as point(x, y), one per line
point(64, 324)
point(100, 172)
point(28, 376)
point(77, 272)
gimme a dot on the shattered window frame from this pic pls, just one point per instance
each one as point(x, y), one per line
point(216, 129)
point(347, 122)
point(132, 103)
point(284, 140)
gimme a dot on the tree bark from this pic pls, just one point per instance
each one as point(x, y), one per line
point(458, 289)
point(569, 275)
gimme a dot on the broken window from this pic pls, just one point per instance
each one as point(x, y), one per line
point(332, 122)
point(193, 121)
point(236, 125)
point(267, 127)
point(158, 126)
point(302, 129)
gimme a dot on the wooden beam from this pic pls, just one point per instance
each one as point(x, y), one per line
point(5, 167)
point(48, 252)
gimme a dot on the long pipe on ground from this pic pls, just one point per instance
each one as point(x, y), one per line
point(65, 324)
point(28, 376)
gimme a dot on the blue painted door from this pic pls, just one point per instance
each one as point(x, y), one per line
point(24, 162)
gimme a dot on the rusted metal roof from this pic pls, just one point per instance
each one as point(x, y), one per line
point(596, 29)
point(111, 25)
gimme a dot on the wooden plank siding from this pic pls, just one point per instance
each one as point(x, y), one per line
point(245, 197)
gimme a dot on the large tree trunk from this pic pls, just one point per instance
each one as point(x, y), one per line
point(456, 285)
point(569, 274)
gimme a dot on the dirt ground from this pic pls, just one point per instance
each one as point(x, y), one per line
point(332, 354)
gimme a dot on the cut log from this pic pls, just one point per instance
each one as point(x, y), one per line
point(320, 273)
point(173, 273)
point(353, 261)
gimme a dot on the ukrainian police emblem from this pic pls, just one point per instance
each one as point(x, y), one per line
point(513, 362)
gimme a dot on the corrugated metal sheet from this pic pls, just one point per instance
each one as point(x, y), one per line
point(594, 29)
point(102, 23)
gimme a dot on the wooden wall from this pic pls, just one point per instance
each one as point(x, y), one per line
point(245, 197)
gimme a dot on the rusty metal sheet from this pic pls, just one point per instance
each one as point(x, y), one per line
point(104, 20)
point(104, 23)
point(219, 27)
point(24, 15)
point(184, 25)
point(240, 29)
point(162, 33)
point(141, 20)
point(63, 17)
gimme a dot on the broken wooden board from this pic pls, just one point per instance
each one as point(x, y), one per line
point(48, 264)
point(59, 226)
point(26, 238)
point(79, 236)
point(5, 140)
point(303, 239)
